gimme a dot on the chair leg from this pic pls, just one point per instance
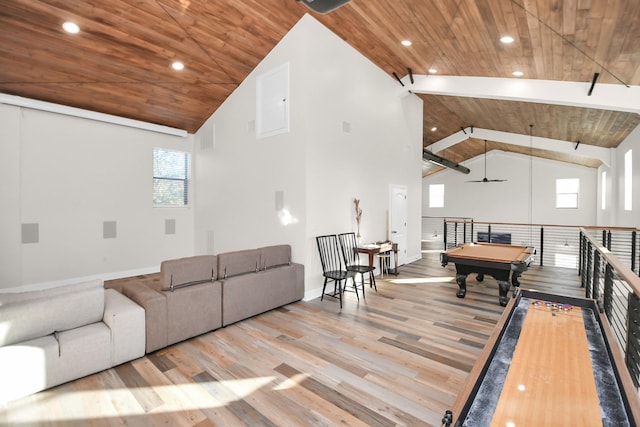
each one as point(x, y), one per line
point(340, 291)
point(355, 287)
point(324, 287)
point(372, 278)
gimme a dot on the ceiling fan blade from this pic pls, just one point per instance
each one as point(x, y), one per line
point(485, 169)
point(488, 180)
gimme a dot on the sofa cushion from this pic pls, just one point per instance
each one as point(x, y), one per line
point(239, 262)
point(83, 351)
point(248, 295)
point(275, 256)
point(50, 312)
point(28, 367)
point(187, 271)
point(193, 310)
point(9, 297)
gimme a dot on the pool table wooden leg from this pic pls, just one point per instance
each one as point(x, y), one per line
point(461, 280)
point(503, 289)
point(514, 278)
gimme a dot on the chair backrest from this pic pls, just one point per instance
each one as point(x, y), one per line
point(349, 246)
point(329, 253)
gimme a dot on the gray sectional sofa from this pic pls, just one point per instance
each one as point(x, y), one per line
point(202, 293)
point(52, 336)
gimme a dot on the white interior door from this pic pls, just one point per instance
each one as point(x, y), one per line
point(398, 220)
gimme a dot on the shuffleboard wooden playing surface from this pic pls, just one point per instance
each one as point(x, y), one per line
point(552, 360)
point(549, 379)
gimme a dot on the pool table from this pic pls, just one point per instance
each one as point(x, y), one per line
point(551, 360)
point(502, 262)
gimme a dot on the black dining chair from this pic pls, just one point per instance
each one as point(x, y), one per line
point(349, 246)
point(333, 268)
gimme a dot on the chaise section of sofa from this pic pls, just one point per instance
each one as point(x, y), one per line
point(258, 280)
point(51, 336)
point(184, 303)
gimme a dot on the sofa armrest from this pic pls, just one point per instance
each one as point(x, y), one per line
point(126, 320)
point(155, 314)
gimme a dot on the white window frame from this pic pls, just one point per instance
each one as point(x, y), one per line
point(567, 193)
point(436, 195)
point(628, 180)
point(604, 190)
point(177, 173)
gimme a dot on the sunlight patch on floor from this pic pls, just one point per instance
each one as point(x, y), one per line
point(292, 382)
point(418, 280)
point(122, 402)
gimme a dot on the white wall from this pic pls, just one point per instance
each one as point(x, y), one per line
point(68, 175)
point(319, 167)
point(615, 213)
point(519, 199)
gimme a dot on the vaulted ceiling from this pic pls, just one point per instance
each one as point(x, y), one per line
point(120, 62)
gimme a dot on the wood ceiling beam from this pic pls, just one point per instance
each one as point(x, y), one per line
point(549, 144)
point(613, 97)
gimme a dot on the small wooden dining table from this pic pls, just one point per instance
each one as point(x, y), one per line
point(377, 248)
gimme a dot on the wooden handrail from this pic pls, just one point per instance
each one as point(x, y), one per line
point(622, 270)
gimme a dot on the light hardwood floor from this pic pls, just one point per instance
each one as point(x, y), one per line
point(398, 358)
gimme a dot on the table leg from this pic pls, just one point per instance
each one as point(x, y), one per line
point(461, 280)
point(395, 257)
point(514, 278)
point(503, 289)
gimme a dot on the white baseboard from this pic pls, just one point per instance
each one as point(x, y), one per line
point(312, 294)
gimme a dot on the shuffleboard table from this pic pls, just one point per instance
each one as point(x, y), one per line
point(551, 361)
point(502, 262)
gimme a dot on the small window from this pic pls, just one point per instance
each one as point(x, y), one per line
point(170, 177)
point(628, 179)
point(604, 190)
point(436, 195)
point(567, 193)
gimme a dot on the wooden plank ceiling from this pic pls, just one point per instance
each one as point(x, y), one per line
point(120, 62)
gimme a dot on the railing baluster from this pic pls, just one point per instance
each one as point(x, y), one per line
point(592, 291)
point(633, 251)
point(445, 234)
point(586, 279)
point(632, 354)
point(541, 246)
point(608, 290)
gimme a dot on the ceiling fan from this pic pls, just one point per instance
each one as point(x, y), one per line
point(485, 168)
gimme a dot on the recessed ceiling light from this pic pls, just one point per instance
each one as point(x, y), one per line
point(432, 71)
point(177, 66)
point(506, 39)
point(406, 42)
point(71, 27)
point(433, 129)
point(518, 73)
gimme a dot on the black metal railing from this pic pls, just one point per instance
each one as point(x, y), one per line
point(616, 287)
point(556, 245)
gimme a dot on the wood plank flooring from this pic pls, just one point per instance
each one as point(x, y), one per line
point(398, 358)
